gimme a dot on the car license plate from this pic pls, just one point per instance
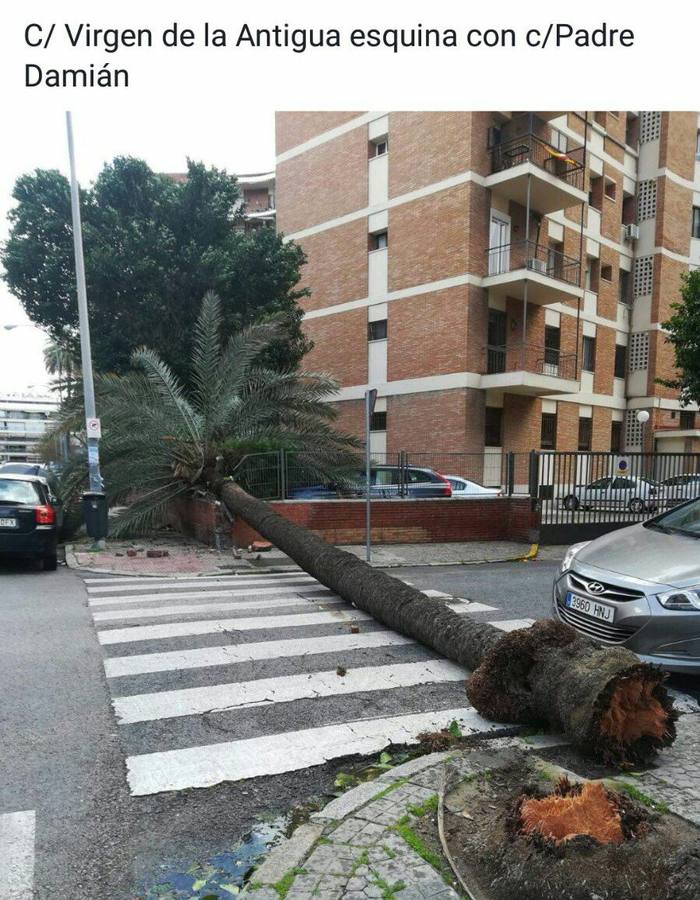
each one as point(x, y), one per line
point(590, 608)
point(8, 523)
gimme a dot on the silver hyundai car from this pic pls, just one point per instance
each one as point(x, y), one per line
point(639, 587)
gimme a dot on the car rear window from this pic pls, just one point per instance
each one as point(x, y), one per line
point(12, 491)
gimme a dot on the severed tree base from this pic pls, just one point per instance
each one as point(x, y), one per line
point(518, 829)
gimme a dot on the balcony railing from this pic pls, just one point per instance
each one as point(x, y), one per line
point(530, 358)
point(530, 144)
point(533, 257)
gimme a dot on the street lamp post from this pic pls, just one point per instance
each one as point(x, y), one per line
point(91, 422)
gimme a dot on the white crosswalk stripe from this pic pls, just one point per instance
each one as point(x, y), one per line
point(293, 673)
point(17, 854)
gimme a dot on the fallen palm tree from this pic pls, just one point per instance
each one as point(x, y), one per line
point(604, 700)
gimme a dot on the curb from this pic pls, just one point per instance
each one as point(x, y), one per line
point(72, 563)
point(362, 821)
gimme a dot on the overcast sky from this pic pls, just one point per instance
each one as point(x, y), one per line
point(235, 139)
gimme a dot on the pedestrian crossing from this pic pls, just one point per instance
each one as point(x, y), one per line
point(232, 677)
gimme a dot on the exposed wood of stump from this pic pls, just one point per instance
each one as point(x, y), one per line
point(604, 700)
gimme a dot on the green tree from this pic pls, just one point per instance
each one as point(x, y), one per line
point(683, 331)
point(163, 439)
point(152, 243)
point(61, 361)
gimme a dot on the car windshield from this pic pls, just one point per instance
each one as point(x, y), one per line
point(683, 520)
point(18, 491)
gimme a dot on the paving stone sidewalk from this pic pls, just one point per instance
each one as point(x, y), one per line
point(353, 848)
point(189, 558)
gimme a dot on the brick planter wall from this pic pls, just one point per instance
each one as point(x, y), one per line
point(393, 521)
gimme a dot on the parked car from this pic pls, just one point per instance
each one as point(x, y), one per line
point(29, 521)
point(386, 481)
point(639, 588)
point(679, 488)
point(464, 487)
point(631, 492)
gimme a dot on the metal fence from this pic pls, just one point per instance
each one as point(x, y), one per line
point(283, 474)
point(582, 495)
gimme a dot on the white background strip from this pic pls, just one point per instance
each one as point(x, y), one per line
point(17, 854)
point(204, 657)
point(185, 629)
point(231, 606)
point(204, 766)
point(202, 583)
point(284, 689)
point(300, 589)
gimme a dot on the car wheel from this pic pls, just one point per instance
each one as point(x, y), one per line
point(571, 502)
point(50, 563)
point(636, 505)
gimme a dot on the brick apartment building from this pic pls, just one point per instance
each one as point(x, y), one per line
point(500, 278)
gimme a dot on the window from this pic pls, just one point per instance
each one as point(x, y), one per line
point(493, 427)
point(687, 420)
point(695, 232)
point(610, 189)
point(552, 343)
point(585, 432)
point(593, 275)
point(559, 140)
point(379, 147)
point(376, 331)
point(616, 437)
point(595, 194)
point(588, 364)
point(606, 273)
point(548, 431)
point(620, 360)
point(378, 421)
point(625, 286)
point(632, 130)
point(379, 241)
point(697, 146)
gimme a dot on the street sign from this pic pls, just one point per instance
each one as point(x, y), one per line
point(93, 428)
point(93, 455)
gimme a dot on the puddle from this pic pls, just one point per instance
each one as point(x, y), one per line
point(220, 876)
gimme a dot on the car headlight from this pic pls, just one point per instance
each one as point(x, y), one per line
point(571, 553)
point(681, 598)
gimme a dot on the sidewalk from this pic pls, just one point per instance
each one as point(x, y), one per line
point(176, 555)
point(367, 843)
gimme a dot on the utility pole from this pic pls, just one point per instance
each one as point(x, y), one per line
point(92, 423)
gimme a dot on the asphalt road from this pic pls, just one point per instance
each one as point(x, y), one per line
point(63, 755)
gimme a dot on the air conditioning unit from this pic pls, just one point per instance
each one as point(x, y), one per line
point(537, 265)
point(631, 232)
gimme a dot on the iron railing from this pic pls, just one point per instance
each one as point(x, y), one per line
point(527, 139)
point(532, 358)
point(584, 494)
point(533, 257)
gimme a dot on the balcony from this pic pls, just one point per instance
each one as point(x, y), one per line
point(531, 370)
point(550, 276)
point(524, 152)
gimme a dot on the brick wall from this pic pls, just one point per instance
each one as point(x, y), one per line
point(407, 521)
point(294, 128)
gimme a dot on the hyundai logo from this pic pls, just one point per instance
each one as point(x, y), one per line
point(595, 587)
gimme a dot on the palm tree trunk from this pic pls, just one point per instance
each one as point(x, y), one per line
point(604, 700)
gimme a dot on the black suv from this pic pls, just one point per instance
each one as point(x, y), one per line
point(28, 519)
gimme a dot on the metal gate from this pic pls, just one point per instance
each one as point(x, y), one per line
point(583, 495)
